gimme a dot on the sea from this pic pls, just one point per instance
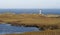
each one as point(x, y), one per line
point(8, 29)
point(30, 11)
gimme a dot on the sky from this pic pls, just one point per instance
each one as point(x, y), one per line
point(28, 4)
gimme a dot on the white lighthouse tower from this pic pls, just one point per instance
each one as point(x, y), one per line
point(40, 12)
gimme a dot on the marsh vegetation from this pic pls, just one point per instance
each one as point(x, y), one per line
point(31, 20)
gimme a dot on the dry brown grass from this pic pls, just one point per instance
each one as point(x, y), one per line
point(29, 18)
point(32, 19)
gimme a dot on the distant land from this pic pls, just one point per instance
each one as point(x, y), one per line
point(31, 11)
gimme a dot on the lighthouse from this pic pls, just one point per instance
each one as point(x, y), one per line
point(40, 12)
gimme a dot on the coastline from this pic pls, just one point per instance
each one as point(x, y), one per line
point(31, 20)
point(48, 32)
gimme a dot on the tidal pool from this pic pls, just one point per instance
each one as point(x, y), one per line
point(8, 29)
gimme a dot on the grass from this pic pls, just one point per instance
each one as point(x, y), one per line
point(28, 18)
point(32, 19)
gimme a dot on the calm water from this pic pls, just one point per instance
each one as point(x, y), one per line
point(6, 28)
point(29, 11)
